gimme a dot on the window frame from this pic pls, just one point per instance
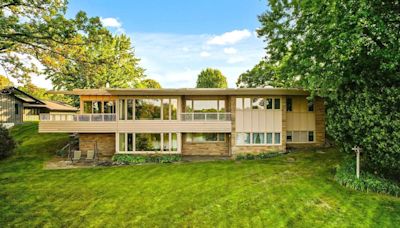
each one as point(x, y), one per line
point(261, 144)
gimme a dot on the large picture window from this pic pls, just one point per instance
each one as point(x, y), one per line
point(148, 142)
point(147, 109)
point(97, 107)
point(205, 106)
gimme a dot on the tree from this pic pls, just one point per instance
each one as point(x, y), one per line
point(7, 143)
point(4, 82)
point(110, 60)
point(29, 28)
point(150, 83)
point(262, 74)
point(211, 78)
point(348, 52)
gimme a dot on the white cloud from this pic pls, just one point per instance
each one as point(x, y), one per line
point(111, 22)
point(229, 37)
point(230, 51)
point(205, 54)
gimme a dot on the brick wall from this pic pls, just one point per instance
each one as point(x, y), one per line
point(105, 143)
point(208, 149)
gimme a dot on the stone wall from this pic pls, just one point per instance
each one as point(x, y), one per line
point(105, 143)
point(205, 148)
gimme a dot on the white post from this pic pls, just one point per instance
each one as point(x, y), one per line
point(358, 151)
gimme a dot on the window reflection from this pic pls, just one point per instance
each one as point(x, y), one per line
point(148, 109)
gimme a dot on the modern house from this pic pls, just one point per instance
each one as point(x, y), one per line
point(223, 122)
point(17, 106)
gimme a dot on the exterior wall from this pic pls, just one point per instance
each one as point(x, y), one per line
point(206, 148)
point(105, 143)
point(7, 109)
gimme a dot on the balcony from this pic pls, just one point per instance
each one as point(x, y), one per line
point(206, 116)
point(78, 117)
point(108, 123)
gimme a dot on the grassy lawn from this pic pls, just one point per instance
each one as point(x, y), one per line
point(276, 192)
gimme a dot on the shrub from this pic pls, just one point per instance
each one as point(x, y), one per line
point(260, 156)
point(7, 144)
point(346, 176)
point(128, 159)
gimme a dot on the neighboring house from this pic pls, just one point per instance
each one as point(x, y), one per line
point(17, 106)
point(223, 122)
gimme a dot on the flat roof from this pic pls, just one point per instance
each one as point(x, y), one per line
point(185, 91)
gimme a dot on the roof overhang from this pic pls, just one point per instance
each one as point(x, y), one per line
point(184, 91)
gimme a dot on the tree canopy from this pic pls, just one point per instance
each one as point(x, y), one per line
point(4, 82)
point(30, 28)
point(150, 83)
point(347, 51)
point(262, 75)
point(211, 78)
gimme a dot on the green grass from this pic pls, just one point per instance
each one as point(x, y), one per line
point(274, 192)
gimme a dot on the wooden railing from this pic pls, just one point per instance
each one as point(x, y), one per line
point(206, 116)
point(78, 117)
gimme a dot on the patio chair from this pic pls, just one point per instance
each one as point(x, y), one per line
point(76, 155)
point(90, 155)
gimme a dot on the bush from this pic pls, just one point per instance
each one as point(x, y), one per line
point(129, 159)
point(7, 144)
point(346, 176)
point(259, 156)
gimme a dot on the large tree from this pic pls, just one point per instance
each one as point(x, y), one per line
point(5, 82)
point(30, 28)
point(110, 61)
point(261, 75)
point(211, 78)
point(347, 51)
point(41, 93)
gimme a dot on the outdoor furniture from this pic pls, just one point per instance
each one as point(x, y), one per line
point(76, 155)
point(90, 155)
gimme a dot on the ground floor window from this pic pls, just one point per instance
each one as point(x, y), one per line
point(205, 137)
point(258, 138)
point(148, 142)
point(300, 136)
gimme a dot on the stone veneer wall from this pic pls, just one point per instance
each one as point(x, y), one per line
point(206, 149)
point(105, 143)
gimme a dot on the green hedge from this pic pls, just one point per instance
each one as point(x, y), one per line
point(259, 156)
point(128, 159)
point(346, 176)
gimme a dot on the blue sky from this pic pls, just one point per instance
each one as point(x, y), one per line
point(175, 40)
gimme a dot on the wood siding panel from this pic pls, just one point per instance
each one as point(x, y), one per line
point(7, 109)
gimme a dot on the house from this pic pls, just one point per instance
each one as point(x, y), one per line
point(17, 106)
point(223, 122)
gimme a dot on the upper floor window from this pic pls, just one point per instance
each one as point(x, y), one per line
point(310, 106)
point(205, 106)
point(258, 103)
point(90, 107)
point(289, 104)
point(147, 109)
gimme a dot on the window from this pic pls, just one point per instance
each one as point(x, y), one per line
point(289, 136)
point(165, 141)
point(289, 104)
point(97, 107)
point(121, 141)
point(311, 136)
point(147, 109)
point(174, 108)
point(205, 105)
point(109, 107)
point(87, 107)
point(258, 103)
point(121, 109)
point(130, 141)
point(147, 142)
point(269, 103)
point(205, 137)
point(239, 103)
point(16, 106)
point(165, 109)
point(174, 142)
point(269, 138)
point(243, 138)
point(129, 106)
point(277, 103)
point(258, 138)
point(246, 103)
point(310, 106)
point(300, 136)
point(277, 138)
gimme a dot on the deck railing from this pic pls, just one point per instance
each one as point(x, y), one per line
point(206, 116)
point(78, 117)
